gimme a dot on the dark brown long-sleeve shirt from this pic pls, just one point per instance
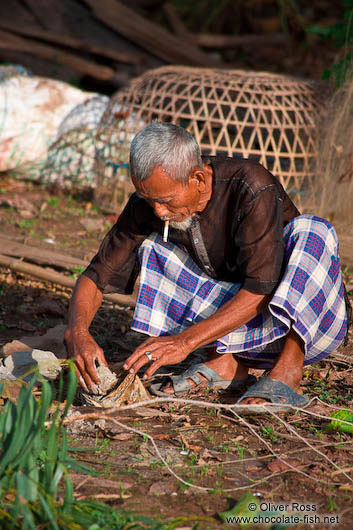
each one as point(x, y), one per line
point(241, 227)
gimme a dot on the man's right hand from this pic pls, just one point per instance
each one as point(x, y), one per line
point(85, 301)
point(86, 352)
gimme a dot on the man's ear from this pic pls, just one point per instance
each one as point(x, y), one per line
point(198, 178)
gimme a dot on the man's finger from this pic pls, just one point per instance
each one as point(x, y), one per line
point(102, 359)
point(138, 354)
point(154, 367)
point(79, 377)
point(91, 369)
point(88, 382)
point(81, 373)
point(82, 383)
point(139, 363)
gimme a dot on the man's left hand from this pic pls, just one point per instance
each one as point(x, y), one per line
point(160, 351)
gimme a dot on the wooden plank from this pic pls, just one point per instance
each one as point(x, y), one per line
point(212, 40)
point(80, 24)
point(48, 275)
point(9, 41)
point(83, 25)
point(18, 14)
point(175, 21)
point(149, 35)
point(50, 13)
point(9, 247)
point(72, 42)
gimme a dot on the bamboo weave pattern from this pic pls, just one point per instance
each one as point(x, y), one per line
point(267, 117)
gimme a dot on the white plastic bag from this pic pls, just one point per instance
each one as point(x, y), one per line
point(31, 111)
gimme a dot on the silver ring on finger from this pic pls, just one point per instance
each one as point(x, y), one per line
point(149, 355)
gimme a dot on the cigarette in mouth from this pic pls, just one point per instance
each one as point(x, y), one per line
point(165, 231)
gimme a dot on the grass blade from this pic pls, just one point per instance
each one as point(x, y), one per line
point(49, 513)
point(71, 389)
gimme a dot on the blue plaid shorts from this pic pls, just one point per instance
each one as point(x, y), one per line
point(174, 293)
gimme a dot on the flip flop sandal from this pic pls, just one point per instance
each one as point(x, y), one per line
point(272, 391)
point(181, 384)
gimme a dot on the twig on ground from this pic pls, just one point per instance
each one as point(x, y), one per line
point(269, 447)
point(310, 445)
point(205, 404)
point(106, 496)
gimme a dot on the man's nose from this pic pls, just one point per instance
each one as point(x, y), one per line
point(160, 210)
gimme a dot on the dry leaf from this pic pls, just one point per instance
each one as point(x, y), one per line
point(161, 488)
point(11, 389)
point(206, 453)
point(122, 436)
point(100, 482)
point(278, 465)
point(188, 445)
point(343, 470)
point(253, 468)
point(160, 436)
point(346, 487)
point(151, 413)
point(127, 389)
point(104, 496)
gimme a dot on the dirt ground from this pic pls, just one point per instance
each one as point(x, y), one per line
point(280, 460)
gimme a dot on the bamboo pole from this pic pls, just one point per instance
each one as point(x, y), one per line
point(72, 42)
point(9, 41)
point(212, 40)
point(148, 34)
point(55, 277)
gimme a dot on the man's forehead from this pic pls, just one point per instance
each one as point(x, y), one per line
point(158, 186)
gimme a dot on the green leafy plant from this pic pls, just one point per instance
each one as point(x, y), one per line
point(35, 486)
point(268, 432)
point(34, 460)
point(341, 34)
point(77, 271)
point(26, 223)
point(346, 423)
point(240, 450)
point(53, 201)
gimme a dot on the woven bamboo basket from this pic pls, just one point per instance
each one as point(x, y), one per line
point(266, 117)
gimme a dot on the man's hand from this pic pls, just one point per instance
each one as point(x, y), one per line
point(82, 346)
point(84, 304)
point(163, 350)
point(174, 349)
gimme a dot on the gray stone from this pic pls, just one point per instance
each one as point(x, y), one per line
point(23, 364)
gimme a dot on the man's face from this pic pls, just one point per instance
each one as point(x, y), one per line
point(169, 199)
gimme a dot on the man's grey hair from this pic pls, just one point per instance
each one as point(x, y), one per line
point(168, 146)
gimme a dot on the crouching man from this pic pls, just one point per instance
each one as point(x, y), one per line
point(240, 272)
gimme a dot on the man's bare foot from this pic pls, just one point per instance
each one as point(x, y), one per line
point(225, 365)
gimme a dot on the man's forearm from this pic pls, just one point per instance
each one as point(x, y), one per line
point(233, 314)
point(85, 302)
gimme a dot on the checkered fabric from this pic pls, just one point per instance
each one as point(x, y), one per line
point(174, 293)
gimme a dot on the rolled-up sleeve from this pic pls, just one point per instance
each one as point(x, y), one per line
point(114, 268)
